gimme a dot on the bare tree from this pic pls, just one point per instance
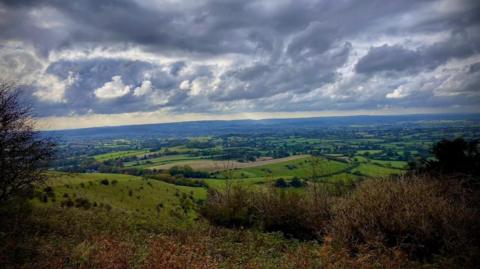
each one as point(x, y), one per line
point(23, 152)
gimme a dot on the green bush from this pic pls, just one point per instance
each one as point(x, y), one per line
point(281, 183)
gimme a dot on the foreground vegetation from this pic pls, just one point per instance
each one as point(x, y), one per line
point(399, 222)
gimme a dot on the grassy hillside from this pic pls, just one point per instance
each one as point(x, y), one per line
point(124, 193)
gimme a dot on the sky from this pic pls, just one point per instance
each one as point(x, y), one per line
point(116, 62)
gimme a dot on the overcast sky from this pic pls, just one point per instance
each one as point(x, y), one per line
point(92, 63)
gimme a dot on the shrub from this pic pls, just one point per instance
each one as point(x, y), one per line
point(187, 171)
point(297, 183)
point(302, 216)
point(296, 215)
point(179, 181)
point(231, 208)
point(281, 183)
point(414, 215)
point(83, 203)
point(67, 203)
point(104, 182)
point(49, 191)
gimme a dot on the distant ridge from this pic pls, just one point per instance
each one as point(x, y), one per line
point(219, 127)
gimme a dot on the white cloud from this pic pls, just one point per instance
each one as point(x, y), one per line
point(144, 89)
point(185, 85)
point(397, 93)
point(113, 89)
point(52, 89)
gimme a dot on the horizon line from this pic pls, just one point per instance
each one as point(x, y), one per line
point(266, 118)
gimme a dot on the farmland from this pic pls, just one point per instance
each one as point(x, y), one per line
point(243, 198)
point(151, 171)
point(349, 152)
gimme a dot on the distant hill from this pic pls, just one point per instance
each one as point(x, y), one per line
point(200, 128)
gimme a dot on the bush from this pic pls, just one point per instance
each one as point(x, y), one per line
point(104, 182)
point(297, 183)
point(83, 203)
point(179, 181)
point(232, 208)
point(187, 171)
point(281, 183)
point(67, 203)
point(414, 215)
point(302, 216)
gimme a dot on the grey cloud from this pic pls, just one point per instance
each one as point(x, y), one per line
point(386, 58)
point(278, 50)
point(474, 68)
point(399, 58)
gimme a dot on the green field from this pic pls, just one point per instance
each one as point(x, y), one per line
point(119, 154)
point(372, 170)
point(391, 164)
point(123, 192)
point(300, 168)
point(155, 162)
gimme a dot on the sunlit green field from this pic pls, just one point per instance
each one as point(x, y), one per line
point(123, 192)
point(119, 154)
point(300, 168)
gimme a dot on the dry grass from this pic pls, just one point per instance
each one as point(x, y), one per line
point(298, 215)
point(414, 215)
point(303, 216)
point(168, 252)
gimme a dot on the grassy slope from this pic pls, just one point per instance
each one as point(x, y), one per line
point(144, 198)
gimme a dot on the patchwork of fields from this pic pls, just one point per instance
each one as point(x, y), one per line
point(150, 197)
point(168, 176)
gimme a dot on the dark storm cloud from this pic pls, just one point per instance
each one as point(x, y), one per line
point(387, 58)
point(282, 55)
point(212, 27)
point(398, 58)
